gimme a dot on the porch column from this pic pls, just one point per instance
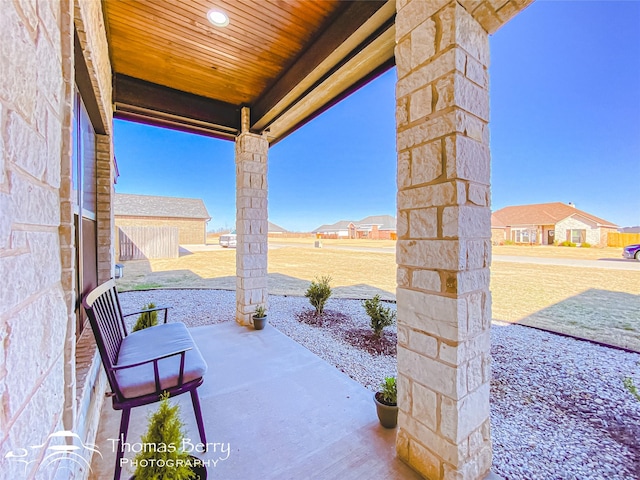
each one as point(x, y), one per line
point(444, 240)
point(251, 221)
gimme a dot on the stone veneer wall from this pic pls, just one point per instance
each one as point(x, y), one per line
point(36, 61)
point(38, 391)
point(251, 225)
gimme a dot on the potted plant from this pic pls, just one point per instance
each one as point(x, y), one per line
point(163, 456)
point(259, 317)
point(387, 403)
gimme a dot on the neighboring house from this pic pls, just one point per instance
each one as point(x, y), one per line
point(275, 229)
point(189, 215)
point(549, 223)
point(376, 227)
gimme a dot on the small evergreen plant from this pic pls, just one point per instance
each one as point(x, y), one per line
point(319, 292)
point(389, 391)
point(260, 312)
point(163, 457)
point(380, 316)
point(146, 319)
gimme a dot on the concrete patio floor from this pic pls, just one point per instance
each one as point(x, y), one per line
point(283, 412)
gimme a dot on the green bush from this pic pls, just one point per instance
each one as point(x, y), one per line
point(567, 243)
point(389, 390)
point(146, 319)
point(318, 293)
point(509, 242)
point(628, 383)
point(163, 456)
point(380, 316)
point(585, 245)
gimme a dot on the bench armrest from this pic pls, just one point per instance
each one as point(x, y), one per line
point(165, 308)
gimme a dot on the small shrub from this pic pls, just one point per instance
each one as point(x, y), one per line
point(318, 293)
point(166, 433)
point(567, 243)
point(146, 319)
point(389, 390)
point(260, 312)
point(380, 316)
point(628, 384)
point(585, 245)
point(509, 242)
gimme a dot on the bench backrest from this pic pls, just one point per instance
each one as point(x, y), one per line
point(105, 315)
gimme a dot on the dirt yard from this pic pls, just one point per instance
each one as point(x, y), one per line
point(594, 303)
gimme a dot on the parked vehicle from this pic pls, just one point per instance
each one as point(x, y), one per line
point(632, 251)
point(228, 240)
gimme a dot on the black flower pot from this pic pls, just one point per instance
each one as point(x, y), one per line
point(387, 414)
point(259, 322)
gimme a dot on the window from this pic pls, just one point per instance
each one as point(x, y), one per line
point(577, 235)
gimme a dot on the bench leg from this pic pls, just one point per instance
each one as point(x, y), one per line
point(122, 437)
point(196, 408)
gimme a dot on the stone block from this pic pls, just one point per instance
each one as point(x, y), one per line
point(403, 55)
point(433, 128)
point(402, 224)
point(474, 373)
point(441, 378)
point(454, 354)
point(477, 72)
point(471, 35)
point(420, 104)
point(404, 169)
point(424, 461)
point(425, 406)
point(25, 147)
point(441, 64)
point(427, 280)
point(404, 393)
point(435, 443)
point(431, 254)
point(488, 19)
point(466, 222)
point(479, 195)
point(403, 276)
point(422, 343)
point(472, 280)
point(468, 159)
point(33, 204)
point(423, 46)
point(427, 196)
point(423, 223)
point(459, 418)
point(410, 14)
point(426, 162)
point(477, 253)
point(442, 317)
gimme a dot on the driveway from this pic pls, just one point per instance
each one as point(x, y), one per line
point(608, 263)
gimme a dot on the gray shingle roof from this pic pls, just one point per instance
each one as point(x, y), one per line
point(126, 204)
point(384, 222)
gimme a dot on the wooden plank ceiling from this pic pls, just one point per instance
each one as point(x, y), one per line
point(286, 60)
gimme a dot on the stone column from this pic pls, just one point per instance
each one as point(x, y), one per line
point(444, 240)
point(251, 222)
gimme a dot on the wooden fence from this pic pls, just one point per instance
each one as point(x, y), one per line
point(142, 243)
point(622, 239)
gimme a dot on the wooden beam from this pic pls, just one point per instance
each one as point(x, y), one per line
point(155, 104)
point(337, 40)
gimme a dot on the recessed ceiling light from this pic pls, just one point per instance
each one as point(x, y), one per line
point(218, 18)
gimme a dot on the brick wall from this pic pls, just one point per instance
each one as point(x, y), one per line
point(190, 231)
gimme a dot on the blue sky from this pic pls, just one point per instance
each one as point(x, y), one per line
point(565, 126)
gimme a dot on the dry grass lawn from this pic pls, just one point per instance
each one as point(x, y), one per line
point(594, 303)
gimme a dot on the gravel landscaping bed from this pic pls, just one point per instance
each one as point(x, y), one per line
point(558, 407)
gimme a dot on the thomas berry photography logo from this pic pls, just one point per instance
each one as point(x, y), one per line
point(62, 449)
